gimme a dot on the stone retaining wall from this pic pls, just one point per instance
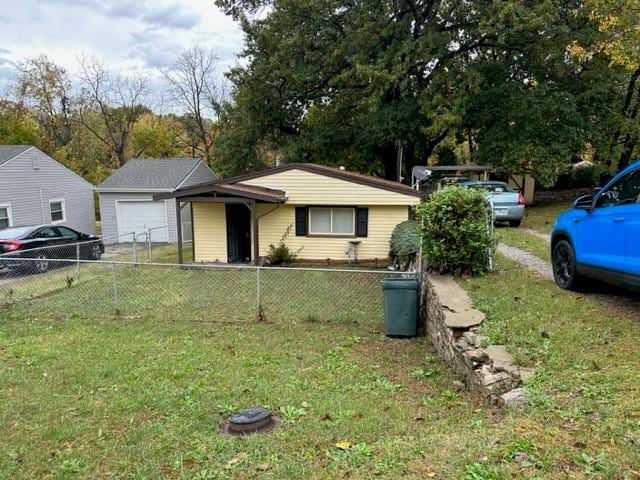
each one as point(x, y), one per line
point(451, 323)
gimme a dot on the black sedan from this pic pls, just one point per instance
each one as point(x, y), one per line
point(45, 243)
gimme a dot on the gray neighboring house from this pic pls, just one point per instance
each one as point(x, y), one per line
point(126, 198)
point(36, 189)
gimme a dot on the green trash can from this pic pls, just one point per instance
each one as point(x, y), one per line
point(400, 307)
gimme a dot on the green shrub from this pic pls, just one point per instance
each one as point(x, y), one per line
point(281, 254)
point(456, 237)
point(584, 177)
point(405, 243)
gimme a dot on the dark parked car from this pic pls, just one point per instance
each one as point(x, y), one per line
point(45, 243)
point(599, 237)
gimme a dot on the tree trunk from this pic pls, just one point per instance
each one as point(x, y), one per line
point(472, 146)
point(631, 90)
point(387, 154)
point(629, 145)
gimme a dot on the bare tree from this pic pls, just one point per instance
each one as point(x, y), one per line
point(197, 91)
point(118, 101)
point(45, 88)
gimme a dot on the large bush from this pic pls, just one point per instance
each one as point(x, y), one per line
point(455, 233)
point(405, 243)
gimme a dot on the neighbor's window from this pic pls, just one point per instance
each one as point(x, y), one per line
point(331, 221)
point(5, 216)
point(56, 207)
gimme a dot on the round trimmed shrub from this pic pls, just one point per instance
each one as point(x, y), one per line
point(456, 237)
point(405, 243)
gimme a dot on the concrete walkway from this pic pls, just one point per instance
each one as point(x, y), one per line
point(527, 260)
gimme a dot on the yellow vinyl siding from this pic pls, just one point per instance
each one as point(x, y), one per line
point(306, 188)
point(382, 220)
point(209, 232)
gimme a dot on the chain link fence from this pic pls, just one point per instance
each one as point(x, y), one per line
point(223, 293)
point(148, 246)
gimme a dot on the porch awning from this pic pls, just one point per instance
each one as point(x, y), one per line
point(222, 191)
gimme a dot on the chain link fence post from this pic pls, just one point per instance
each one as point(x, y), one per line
point(260, 317)
point(135, 250)
point(490, 229)
point(77, 262)
point(116, 296)
point(149, 259)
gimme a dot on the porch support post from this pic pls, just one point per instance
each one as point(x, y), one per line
point(255, 233)
point(179, 232)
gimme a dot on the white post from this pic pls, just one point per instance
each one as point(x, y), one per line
point(77, 261)
point(135, 252)
point(258, 301)
point(116, 297)
point(149, 246)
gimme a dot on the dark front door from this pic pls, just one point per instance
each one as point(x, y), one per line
point(238, 233)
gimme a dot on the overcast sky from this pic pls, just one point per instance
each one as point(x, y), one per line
point(135, 36)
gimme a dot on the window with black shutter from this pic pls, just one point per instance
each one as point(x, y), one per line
point(301, 221)
point(362, 222)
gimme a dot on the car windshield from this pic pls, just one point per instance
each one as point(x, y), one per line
point(15, 232)
point(492, 187)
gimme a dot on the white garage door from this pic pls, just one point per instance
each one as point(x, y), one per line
point(140, 216)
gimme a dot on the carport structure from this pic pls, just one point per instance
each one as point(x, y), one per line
point(523, 183)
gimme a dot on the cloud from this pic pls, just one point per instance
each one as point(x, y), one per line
point(139, 37)
point(173, 17)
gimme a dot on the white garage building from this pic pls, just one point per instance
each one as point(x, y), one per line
point(126, 198)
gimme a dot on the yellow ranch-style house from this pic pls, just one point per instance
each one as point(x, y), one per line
point(330, 213)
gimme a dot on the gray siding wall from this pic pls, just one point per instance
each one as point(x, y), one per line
point(200, 174)
point(110, 223)
point(28, 191)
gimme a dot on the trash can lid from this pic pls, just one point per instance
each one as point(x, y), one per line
point(396, 283)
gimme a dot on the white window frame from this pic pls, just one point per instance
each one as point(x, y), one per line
point(9, 213)
point(64, 210)
point(332, 234)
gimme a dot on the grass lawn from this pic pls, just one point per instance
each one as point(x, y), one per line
point(585, 417)
point(541, 218)
point(144, 396)
point(516, 237)
point(86, 398)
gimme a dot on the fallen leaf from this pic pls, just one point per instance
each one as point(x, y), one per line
point(239, 457)
point(344, 445)
point(419, 419)
point(263, 467)
point(305, 405)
